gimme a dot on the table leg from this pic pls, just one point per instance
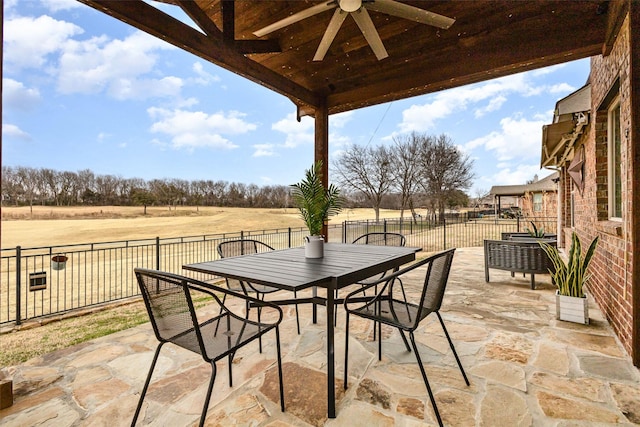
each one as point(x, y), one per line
point(315, 306)
point(331, 383)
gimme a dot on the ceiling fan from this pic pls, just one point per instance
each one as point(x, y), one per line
point(358, 10)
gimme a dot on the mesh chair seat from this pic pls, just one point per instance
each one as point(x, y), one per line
point(402, 314)
point(169, 304)
point(392, 312)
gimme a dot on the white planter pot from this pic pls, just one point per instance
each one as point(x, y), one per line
point(572, 309)
point(313, 247)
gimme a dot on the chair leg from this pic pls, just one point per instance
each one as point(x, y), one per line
point(208, 397)
point(335, 312)
point(346, 347)
point(424, 377)
point(404, 339)
point(231, 369)
point(295, 296)
point(280, 368)
point(146, 383)
point(446, 333)
point(259, 311)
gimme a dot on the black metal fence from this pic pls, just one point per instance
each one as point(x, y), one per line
point(37, 282)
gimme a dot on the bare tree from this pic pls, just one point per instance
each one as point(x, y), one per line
point(11, 188)
point(445, 169)
point(406, 152)
point(368, 170)
point(28, 178)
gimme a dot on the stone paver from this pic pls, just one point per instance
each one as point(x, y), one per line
point(525, 367)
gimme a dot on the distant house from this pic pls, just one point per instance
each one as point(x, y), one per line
point(591, 143)
point(536, 199)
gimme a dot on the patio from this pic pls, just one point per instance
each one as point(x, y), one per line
point(525, 368)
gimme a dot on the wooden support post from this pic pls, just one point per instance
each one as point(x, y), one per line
point(322, 147)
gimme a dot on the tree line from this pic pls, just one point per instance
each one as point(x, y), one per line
point(417, 170)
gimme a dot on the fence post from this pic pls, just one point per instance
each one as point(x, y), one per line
point(384, 226)
point(157, 253)
point(518, 222)
point(289, 236)
point(444, 233)
point(18, 280)
point(344, 231)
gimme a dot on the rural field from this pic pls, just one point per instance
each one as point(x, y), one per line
point(50, 226)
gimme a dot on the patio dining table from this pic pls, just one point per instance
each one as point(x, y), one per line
point(289, 269)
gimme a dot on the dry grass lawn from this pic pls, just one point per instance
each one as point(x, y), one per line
point(50, 226)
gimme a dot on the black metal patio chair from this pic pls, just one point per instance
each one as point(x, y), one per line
point(169, 303)
point(232, 248)
point(405, 316)
point(378, 239)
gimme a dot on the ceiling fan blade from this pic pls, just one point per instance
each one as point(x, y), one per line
point(330, 34)
point(370, 33)
point(401, 10)
point(304, 14)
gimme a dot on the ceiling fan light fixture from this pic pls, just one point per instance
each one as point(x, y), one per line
point(350, 5)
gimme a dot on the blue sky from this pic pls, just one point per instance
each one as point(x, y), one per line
point(82, 90)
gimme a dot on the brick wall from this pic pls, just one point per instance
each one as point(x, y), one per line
point(611, 268)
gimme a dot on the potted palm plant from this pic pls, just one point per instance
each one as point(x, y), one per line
point(316, 205)
point(570, 277)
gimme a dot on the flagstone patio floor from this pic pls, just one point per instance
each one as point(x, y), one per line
point(525, 368)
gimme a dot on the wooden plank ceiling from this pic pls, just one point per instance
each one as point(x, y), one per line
point(488, 39)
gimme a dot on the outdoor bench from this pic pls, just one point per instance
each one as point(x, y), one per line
point(523, 256)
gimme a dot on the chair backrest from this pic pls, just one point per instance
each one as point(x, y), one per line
point(233, 248)
point(381, 239)
point(436, 279)
point(171, 312)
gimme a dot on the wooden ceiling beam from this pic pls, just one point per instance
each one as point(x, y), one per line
point(209, 47)
point(616, 11)
point(472, 59)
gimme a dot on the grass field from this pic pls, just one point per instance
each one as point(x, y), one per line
point(49, 226)
point(67, 225)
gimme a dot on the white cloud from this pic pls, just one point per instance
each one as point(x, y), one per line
point(203, 78)
point(115, 67)
point(547, 70)
point(58, 5)
point(195, 129)
point(561, 88)
point(507, 176)
point(14, 131)
point(340, 120)
point(493, 105)
point(127, 88)
point(298, 133)
point(264, 150)
point(29, 41)
point(518, 138)
point(16, 95)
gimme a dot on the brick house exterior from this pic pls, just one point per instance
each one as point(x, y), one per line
point(599, 187)
point(538, 199)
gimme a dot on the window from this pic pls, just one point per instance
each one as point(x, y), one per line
point(537, 202)
point(614, 163)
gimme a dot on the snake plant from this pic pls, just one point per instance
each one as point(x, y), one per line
point(570, 276)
